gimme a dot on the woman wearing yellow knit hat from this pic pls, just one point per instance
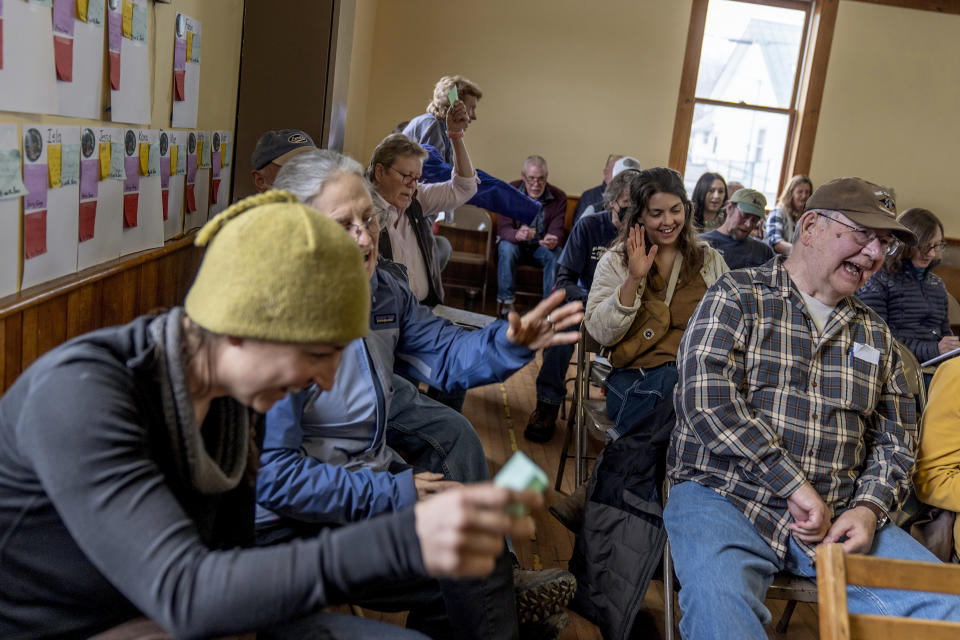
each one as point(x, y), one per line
point(125, 457)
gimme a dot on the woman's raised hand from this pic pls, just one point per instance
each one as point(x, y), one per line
point(457, 118)
point(638, 260)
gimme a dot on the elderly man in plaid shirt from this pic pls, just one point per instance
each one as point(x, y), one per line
point(794, 424)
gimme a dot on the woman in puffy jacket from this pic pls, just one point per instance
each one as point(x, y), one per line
point(644, 291)
point(909, 296)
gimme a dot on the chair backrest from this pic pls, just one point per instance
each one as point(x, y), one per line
point(473, 219)
point(836, 570)
point(467, 216)
point(911, 368)
point(953, 310)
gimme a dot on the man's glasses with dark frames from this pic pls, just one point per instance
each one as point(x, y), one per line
point(863, 237)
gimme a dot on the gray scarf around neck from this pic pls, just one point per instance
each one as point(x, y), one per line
point(212, 464)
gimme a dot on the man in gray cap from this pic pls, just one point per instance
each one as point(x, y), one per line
point(795, 425)
point(744, 211)
point(273, 150)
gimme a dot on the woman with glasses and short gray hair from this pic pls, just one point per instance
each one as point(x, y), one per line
point(909, 296)
point(407, 236)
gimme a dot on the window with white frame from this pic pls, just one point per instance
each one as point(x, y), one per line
point(746, 94)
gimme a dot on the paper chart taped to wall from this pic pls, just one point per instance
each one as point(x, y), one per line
point(11, 183)
point(171, 183)
point(201, 190)
point(131, 182)
point(197, 183)
point(70, 165)
point(89, 186)
point(220, 172)
point(130, 102)
point(83, 96)
point(114, 38)
point(50, 212)
point(127, 18)
point(186, 72)
point(28, 81)
point(64, 17)
point(190, 191)
point(107, 221)
point(148, 232)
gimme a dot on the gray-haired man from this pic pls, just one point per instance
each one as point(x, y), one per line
point(795, 425)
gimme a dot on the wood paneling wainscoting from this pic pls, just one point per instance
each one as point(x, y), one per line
point(38, 319)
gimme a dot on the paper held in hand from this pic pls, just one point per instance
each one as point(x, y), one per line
point(521, 474)
point(940, 358)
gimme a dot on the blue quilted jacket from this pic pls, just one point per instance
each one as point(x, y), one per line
point(914, 305)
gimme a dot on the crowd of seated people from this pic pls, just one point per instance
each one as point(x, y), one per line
point(237, 464)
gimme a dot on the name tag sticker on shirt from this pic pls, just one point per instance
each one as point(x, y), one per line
point(866, 353)
point(384, 318)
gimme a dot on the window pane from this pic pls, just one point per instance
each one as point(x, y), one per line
point(749, 53)
point(739, 144)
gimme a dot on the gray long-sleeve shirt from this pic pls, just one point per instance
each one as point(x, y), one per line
point(95, 529)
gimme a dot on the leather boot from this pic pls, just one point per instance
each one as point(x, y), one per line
point(542, 422)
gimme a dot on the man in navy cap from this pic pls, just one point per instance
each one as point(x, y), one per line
point(273, 150)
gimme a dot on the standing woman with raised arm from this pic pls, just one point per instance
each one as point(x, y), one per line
point(644, 291)
point(433, 126)
point(126, 458)
point(779, 227)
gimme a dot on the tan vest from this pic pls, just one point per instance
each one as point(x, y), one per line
point(654, 337)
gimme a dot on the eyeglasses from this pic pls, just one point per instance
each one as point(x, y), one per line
point(863, 237)
point(369, 225)
point(408, 179)
point(938, 247)
point(535, 179)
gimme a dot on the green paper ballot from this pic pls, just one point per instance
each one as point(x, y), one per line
point(521, 474)
point(452, 95)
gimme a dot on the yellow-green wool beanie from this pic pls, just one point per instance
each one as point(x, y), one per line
point(278, 270)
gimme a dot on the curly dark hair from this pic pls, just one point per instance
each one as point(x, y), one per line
point(647, 184)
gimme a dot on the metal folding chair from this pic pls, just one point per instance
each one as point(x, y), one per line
point(589, 414)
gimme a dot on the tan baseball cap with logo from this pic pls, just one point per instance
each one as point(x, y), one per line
point(864, 203)
point(750, 201)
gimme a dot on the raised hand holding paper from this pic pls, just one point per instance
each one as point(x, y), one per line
point(521, 474)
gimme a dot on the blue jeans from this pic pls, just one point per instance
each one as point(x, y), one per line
point(434, 437)
point(724, 574)
point(509, 256)
point(550, 381)
point(633, 393)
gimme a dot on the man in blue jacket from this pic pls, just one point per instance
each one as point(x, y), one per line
point(327, 458)
point(587, 242)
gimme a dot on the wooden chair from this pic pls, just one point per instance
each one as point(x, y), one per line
point(836, 570)
point(786, 586)
point(589, 414)
point(471, 234)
